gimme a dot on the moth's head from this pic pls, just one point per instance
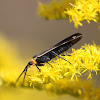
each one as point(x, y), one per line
point(30, 63)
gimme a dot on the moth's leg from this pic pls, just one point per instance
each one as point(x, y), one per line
point(59, 56)
point(38, 68)
point(50, 64)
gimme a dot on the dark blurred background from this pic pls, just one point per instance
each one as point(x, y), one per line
point(21, 24)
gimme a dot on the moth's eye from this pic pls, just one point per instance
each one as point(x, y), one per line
point(30, 63)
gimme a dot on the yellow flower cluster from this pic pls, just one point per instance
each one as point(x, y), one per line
point(77, 10)
point(54, 10)
point(84, 10)
point(63, 77)
point(85, 59)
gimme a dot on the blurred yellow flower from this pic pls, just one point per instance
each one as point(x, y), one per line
point(9, 62)
point(54, 10)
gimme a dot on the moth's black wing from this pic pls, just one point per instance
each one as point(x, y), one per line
point(42, 53)
point(60, 47)
point(73, 38)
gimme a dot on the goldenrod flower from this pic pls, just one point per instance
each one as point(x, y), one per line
point(64, 77)
point(88, 10)
point(84, 10)
point(60, 78)
point(85, 59)
point(54, 10)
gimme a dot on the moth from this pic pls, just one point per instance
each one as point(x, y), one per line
point(45, 56)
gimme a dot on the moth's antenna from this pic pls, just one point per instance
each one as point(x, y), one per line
point(25, 74)
point(20, 75)
point(25, 70)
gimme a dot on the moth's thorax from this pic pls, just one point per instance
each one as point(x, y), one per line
point(34, 61)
